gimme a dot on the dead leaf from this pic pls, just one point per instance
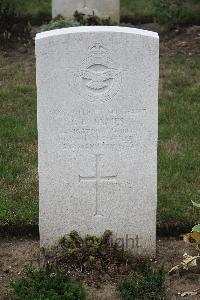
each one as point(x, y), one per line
point(174, 269)
point(188, 238)
point(187, 263)
point(196, 236)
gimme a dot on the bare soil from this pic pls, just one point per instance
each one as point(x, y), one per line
point(181, 42)
point(17, 254)
point(185, 42)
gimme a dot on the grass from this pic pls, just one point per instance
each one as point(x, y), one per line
point(35, 8)
point(179, 140)
point(179, 144)
point(133, 9)
point(146, 284)
point(18, 138)
point(137, 9)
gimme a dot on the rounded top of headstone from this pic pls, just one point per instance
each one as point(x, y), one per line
point(87, 29)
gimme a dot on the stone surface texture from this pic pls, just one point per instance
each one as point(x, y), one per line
point(97, 90)
point(101, 8)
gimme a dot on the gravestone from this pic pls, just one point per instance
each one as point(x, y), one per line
point(97, 90)
point(101, 8)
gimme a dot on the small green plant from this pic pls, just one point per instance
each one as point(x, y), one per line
point(59, 23)
point(168, 12)
point(87, 255)
point(146, 284)
point(194, 236)
point(196, 228)
point(79, 20)
point(48, 284)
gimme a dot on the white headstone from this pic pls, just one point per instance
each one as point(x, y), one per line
point(97, 126)
point(101, 8)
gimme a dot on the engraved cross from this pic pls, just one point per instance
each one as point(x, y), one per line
point(97, 178)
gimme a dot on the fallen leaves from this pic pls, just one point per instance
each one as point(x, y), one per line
point(193, 237)
point(196, 236)
point(187, 263)
point(187, 238)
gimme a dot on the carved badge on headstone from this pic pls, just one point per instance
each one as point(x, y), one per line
point(98, 79)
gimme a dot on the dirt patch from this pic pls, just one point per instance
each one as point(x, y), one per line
point(169, 254)
point(17, 254)
point(185, 42)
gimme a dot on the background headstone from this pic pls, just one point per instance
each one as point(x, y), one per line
point(97, 127)
point(101, 8)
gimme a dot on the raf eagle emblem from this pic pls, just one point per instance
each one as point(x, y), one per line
point(98, 78)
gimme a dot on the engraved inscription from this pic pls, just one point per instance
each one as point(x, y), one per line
point(84, 129)
point(97, 178)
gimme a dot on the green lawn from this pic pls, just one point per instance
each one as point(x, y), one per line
point(18, 139)
point(179, 140)
point(144, 8)
point(129, 8)
point(32, 7)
